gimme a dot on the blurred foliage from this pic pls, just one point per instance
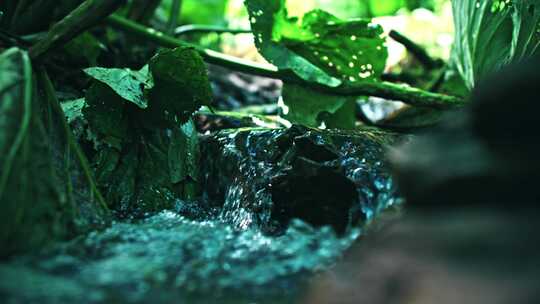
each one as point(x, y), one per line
point(196, 11)
point(492, 34)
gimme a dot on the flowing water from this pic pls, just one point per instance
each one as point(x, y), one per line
point(194, 254)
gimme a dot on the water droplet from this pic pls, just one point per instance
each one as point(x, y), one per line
point(353, 37)
point(351, 64)
point(325, 58)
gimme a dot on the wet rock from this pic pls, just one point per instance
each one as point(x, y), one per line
point(267, 177)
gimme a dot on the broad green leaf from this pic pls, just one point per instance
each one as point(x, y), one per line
point(105, 113)
point(314, 109)
point(493, 33)
point(181, 84)
point(268, 20)
point(28, 190)
point(128, 84)
point(350, 50)
point(45, 192)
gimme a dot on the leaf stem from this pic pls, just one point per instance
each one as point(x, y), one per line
point(200, 28)
point(409, 95)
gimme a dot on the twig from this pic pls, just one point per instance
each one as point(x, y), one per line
point(173, 18)
point(412, 96)
point(199, 28)
point(415, 49)
point(83, 17)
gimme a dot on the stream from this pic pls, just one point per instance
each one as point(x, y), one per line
point(243, 243)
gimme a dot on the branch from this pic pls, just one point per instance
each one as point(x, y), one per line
point(79, 20)
point(198, 28)
point(173, 18)
point(416, 50)
point(412, 96)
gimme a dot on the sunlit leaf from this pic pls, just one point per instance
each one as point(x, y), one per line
point(351, 50)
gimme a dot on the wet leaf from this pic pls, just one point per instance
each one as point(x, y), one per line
point(128, 84)
point(492, 34)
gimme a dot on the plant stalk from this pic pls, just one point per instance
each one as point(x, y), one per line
point(86, 15)
point(390, 91)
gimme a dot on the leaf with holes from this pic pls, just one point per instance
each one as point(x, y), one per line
point(491, 34)
point(351, 50)
point(269, 21)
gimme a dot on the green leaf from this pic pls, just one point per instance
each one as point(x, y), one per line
point(181, 84)
point(350, 50)
point(128, 84)
point(25, 169)
point(268, 20)
point(313, 109)
point(105, 113)
point(73, 109)
point(493, 33)
point(46, 190)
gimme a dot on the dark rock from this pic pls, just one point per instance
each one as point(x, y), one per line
point(267, 177)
